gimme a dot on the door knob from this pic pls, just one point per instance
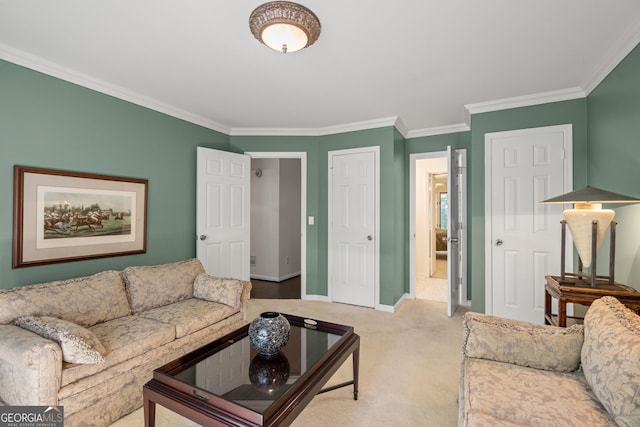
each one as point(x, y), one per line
point(369, 237)
point(499, 242)
point(203, 237)
point(453, 240)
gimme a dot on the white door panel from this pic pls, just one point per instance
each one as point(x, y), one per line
point(524, 168)
point(352, 226)
point(223, 209)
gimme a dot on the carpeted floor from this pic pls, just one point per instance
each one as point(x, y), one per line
point(441, 269)
point(409, 367)
point(432, 289)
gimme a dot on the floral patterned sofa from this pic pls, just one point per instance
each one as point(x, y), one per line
point(91, 343)
point(518, 374)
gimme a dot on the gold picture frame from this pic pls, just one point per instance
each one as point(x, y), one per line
point(62, 216)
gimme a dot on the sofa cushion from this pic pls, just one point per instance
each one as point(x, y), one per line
point(529, 397)
point(514, 341)
point(158, 285)
point(481, 419)
point(611, 358)
point(79, 345)
point(189, 315)
point(123, 339)
point(224, 291)
point(85, 301)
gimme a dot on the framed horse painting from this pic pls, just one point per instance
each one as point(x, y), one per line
point(61, 216)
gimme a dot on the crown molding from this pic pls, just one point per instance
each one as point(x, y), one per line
point(401, 127)
point(329, 130)
point(526, 100)
point(55, 70)
point(626, 44)
point(440, 130)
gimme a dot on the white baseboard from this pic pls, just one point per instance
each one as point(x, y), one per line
point(261, 277)
point(393, 308)
point(274, 279)
point(322, 298)
point(289, 276)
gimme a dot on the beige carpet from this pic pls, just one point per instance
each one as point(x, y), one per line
point(432, 289)
point(441, 269)
point(409, 367)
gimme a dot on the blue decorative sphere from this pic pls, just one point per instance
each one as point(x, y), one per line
point(268, 333)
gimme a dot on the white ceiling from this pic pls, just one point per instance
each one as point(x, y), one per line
point(425, 62)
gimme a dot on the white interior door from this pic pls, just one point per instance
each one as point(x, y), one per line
point(455, 236)
point(523, 168)
point(353, 228)
point(223, 213)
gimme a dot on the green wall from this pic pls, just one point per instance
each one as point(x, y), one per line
point(399, 284)
point(614, 159)
point(430, 144)
point(393, 260)
point(46, 122)
point(606, 126)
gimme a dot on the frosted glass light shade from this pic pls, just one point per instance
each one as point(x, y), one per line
point(284, 37)
point(580, 222)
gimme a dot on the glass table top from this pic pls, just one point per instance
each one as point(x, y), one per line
point(238, 374)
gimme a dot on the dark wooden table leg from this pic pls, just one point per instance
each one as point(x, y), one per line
point(547, 307)
point(149, 409)
point(356, 370)
point(562, 312)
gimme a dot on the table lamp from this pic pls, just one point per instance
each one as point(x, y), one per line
point(588, 224)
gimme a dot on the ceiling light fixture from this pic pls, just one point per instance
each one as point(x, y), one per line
point(284, 26)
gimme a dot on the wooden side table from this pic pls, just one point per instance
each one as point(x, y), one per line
point(579, 291)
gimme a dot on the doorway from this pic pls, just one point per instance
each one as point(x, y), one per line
point(438, 227)
point(278, 231)
point(431, 228)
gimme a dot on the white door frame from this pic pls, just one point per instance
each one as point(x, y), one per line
point(413, 158)
point(303, 204)
point(567, 129)
point(376, 273)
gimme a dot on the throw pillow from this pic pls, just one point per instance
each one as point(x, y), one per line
point(157, 285)
point(522, 343)
point(79, 345)
point(225, 291)
point(611, 358)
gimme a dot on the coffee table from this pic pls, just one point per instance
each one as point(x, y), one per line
point(226, 383)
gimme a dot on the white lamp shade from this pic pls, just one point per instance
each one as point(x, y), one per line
point(580, 222)
point(284, 37)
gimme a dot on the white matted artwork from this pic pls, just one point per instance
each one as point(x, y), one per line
point(64, 216)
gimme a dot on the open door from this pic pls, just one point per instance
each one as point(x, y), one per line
point(223, 213)
point(456, 219)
